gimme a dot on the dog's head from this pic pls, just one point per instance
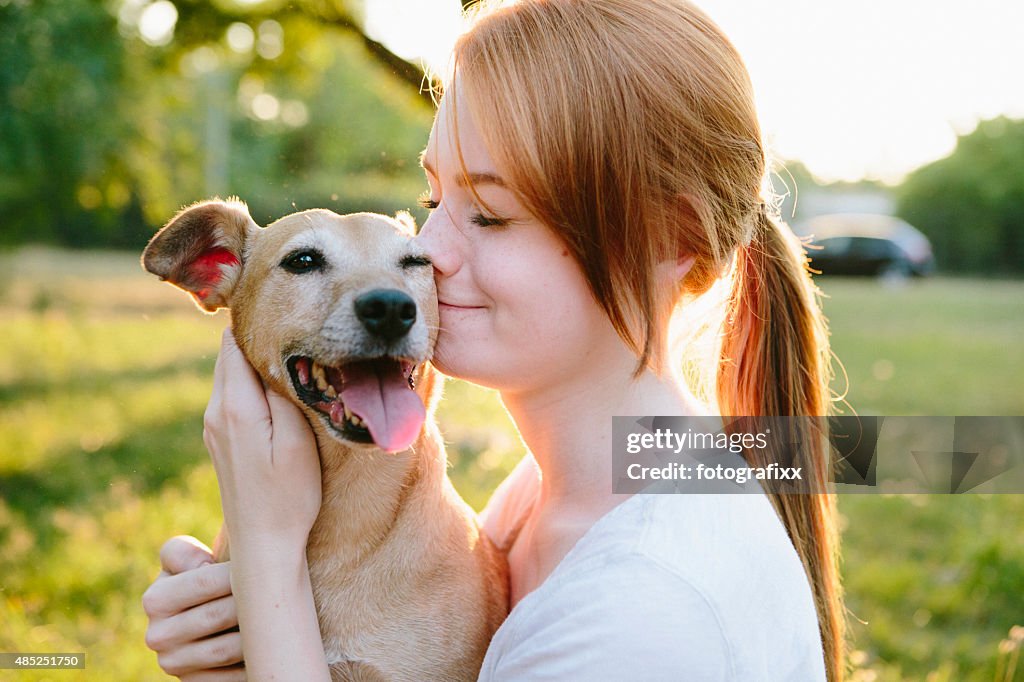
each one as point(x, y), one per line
point(339, 312)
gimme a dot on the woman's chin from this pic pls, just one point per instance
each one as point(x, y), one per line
point(450, 360)
point(465, 365)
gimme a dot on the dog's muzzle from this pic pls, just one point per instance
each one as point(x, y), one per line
point(364, 401)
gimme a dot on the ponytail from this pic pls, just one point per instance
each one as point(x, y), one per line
point(775, 361)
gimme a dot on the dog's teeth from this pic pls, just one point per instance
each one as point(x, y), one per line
point(321, 378)
point(330, 392)
point(357, 421)
point(348, 413)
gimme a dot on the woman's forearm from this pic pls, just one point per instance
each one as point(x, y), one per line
point(276, 614)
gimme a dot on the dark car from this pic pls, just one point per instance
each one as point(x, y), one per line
point(867, 244)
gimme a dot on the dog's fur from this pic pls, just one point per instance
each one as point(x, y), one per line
point(406, 585)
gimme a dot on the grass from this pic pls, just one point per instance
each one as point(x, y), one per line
point(938, 580)
point(104, 375)
point(937, 347)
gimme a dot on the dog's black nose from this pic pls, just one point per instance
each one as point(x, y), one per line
point(386, 313)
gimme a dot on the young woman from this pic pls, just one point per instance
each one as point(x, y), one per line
point(595, 165)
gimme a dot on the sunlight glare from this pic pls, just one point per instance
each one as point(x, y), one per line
point(416, 30)
point(240, 37)
point(871, 89)
point(157, 21)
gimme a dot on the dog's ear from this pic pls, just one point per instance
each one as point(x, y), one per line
point(201, 250)
point(406, 222)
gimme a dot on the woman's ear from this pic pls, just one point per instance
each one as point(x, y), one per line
point(670, 273)
point(683, 266)
point(688, 233)
point(406, 223)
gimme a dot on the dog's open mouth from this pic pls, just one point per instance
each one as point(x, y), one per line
point(365, 401)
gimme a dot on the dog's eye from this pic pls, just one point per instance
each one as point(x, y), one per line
point(303, 261)
point(415, 261)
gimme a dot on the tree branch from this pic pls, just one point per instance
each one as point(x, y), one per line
point(406, 71)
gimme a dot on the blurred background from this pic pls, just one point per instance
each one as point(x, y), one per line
point(900, 133)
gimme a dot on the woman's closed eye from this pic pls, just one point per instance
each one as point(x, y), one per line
point(426, 202)
point(477, 218)
point(487, 221)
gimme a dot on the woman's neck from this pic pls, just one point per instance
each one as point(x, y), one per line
point(567, 425)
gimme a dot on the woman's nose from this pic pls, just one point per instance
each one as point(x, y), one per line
point(438, 238)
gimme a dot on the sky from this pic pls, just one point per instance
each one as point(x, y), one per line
point(866, 89)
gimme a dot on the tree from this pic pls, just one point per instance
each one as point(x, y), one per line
point(971, 203)
point(105, 132)
point(59, 122)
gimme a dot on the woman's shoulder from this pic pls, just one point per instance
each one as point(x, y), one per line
point(510, 502)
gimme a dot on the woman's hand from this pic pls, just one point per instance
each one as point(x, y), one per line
point(189, 607)
point(266, 459)
point(268, 471)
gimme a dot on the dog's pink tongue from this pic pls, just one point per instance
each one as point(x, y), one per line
point(379, 395)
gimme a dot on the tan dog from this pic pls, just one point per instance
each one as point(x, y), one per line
point(340, 314)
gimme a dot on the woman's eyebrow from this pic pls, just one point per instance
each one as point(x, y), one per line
point(477, 179)
point(469, 178)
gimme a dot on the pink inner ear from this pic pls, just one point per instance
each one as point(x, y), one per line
point(205, 270)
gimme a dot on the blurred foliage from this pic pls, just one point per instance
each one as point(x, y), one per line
point(106, 129)
point(971, 203)
point(61, 122)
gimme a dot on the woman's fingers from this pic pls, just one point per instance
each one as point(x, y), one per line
point(183, 553)
point(232, 673)
point(188, 605)
point(214, 652)
point(209, 618)
point(192, 625)
point(265, 455)
point(237, 420)
point(294, 455)
point(172, 594)
point(237, 389)
point(292, 434)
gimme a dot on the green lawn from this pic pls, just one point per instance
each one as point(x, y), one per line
point(938, 579)
point(104, 375)
point(935, 347)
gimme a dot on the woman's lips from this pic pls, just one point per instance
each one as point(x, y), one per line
point(457, 306)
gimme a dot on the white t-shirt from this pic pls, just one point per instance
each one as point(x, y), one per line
point(663, 587)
